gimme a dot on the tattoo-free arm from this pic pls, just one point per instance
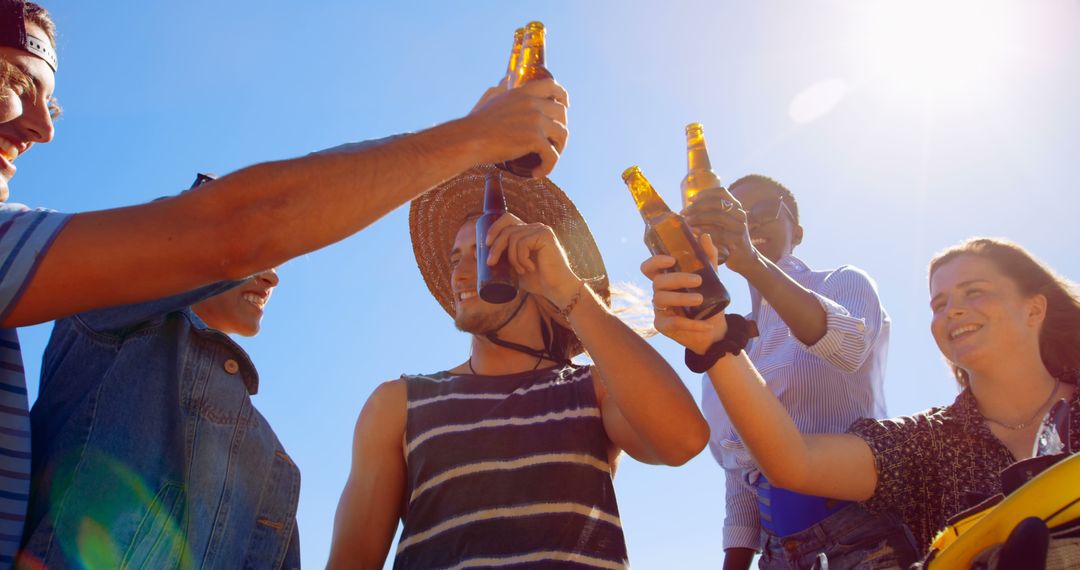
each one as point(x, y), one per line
point(647, 410)
point(266, 214)
point(370, 506)
point(839, 466)
point(796, 305)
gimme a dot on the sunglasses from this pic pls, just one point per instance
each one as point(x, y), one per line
point(767, 211)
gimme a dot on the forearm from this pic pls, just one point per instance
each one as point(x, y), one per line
point(248, 221)
point(762, 422)
point(295, 206)
point(796, 305)
point(647, 392)
point(839, 466)
point(738, 558)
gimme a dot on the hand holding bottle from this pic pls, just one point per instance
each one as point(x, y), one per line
point(535, 254)
point(530, 118)
point(670, 299)
point(716, 212)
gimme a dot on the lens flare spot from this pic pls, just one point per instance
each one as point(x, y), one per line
point(96, 547)
point(817, 100)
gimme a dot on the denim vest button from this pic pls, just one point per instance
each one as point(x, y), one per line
point(231, 366)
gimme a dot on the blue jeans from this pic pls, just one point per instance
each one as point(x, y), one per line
point(851, 538)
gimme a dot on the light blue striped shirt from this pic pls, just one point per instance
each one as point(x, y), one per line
point(25, 235)
point(825, 387)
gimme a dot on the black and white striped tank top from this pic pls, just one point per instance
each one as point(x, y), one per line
point(508, 471)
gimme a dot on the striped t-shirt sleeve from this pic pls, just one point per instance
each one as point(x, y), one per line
point(25, 235)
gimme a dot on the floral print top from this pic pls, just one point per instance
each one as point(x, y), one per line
point(936, 463)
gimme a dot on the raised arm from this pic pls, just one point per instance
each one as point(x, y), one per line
point(796, 305)
point(263, 215)
point(370, 506)
point(839, 466)
point(647, 410)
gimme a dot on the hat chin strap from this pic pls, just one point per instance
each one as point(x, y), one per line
point(548, 353)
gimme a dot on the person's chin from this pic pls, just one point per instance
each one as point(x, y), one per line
point(248, 329)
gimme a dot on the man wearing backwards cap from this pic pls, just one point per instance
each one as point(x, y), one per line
point(238, 225)
point(508, 457)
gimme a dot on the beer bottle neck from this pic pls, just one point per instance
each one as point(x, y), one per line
point(697, 157)
point(648, 202)
point(532, 59)
point(494, 200)
point(515, 56)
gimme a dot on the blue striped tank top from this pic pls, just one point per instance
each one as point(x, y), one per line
point(508, 471)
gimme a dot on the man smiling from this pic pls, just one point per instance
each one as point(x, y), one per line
point(180, 469)
point(822, 348)
point(507, 459)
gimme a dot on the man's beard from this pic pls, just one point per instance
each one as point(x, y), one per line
point(485, 322)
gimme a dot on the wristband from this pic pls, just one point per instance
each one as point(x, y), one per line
point(739, 333)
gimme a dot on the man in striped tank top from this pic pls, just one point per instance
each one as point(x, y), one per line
point(822, 350)
point(507, 459)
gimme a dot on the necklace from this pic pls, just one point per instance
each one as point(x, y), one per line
point(539, 359)
point(1024, 424)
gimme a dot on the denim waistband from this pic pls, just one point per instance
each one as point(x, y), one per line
point(827, 533)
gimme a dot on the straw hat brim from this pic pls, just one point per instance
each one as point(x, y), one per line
point(436, 217)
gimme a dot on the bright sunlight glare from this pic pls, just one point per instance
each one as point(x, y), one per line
point(936, 48)
point(817, 100)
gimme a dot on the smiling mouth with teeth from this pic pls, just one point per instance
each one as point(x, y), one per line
point(953, 334)
point(465, 295)
point(8, 150)
point(255, 299)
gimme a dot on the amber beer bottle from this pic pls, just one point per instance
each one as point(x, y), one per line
point(515, 58)
point(667, 233)
point(495, 283)
point(530, 69)
point(699, 173)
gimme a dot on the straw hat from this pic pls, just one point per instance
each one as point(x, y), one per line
point(436, 217)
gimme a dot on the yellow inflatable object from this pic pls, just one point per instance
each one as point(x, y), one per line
point(1053, 496)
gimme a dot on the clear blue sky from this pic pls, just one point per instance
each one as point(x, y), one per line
point(902, 127)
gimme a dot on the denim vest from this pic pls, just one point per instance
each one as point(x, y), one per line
point(147, 451)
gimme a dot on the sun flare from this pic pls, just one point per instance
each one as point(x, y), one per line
point(936, 48)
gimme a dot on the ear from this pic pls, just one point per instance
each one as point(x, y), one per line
point(1036, 309)
point(796, 235)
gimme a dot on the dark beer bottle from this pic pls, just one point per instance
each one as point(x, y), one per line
point(495, 283)
point(530, 69)
point(515, 58)
point(699, 173)
point(667, 233)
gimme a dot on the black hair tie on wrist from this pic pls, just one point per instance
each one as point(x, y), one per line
point(739, 333)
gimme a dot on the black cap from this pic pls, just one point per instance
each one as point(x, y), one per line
point(13, 32)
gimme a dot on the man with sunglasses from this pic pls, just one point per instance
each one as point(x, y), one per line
point(821, 349)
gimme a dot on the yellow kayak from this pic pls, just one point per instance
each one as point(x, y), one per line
point(1053, 496)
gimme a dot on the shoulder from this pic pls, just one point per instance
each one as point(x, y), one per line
point(384, 410)
point(850, 276)
point(13, 210)
point(892, 431)
point(388, 395)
